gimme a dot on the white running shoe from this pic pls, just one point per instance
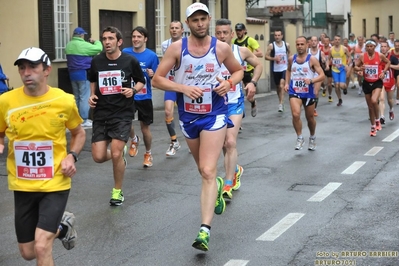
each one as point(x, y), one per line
point(68, 220)
point(87, 123)
point(299, 143)
point(173, 147)
point(312, 144)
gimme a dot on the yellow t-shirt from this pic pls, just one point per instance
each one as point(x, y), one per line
point(36, 130)
point(338, 59)
point(248, 42)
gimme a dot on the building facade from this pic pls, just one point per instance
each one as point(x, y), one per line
point(371, 16)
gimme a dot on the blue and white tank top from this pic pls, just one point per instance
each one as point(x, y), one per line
point(299, 72)
point(201, 72)
point(235, 94)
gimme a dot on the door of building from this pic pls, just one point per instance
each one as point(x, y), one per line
point(120, 19)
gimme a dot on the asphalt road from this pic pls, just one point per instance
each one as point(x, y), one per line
point(338, 204)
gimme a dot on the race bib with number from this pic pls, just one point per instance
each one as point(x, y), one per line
point(34, 160)
point(371, 72)
point(110, 82)
point(300, 86)
point(387, 77)
point(337, 62)
point(143, 91)
point(283, 59)
point(201, 105)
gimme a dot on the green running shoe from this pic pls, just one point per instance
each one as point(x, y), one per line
point(117, 197)
point(220, 204)
point(201, 242)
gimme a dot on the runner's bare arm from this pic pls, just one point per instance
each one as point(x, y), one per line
point(387, 65)
point(348, 56)
point(288, 74)
point(93, 97)
point(316, 66)
point(225, 56)
point(249, 57)
point(78, 138)
point(268, 51)
point(288, 49)
point(258, 53)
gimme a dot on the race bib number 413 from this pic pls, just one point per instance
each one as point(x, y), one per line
point(34, 160)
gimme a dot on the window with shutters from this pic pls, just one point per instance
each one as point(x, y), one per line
point(61, 28)
point(160, 26)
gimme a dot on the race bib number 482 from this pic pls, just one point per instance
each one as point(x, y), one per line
point(300, 86)
point(34, 160)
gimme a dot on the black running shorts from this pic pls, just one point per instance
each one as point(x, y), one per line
point(305, 101)
point(111, 129)
point(145, 111)
point(42, 210)
point(369, 87)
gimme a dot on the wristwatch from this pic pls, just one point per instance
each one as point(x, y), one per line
point(311, 81)
point(254, 82)
point(75, 155)
point(134, 91)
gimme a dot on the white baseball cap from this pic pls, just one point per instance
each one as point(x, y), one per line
point(196, 7)
point(34, 55)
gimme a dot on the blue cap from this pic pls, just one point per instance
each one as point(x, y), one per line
point(79, 31)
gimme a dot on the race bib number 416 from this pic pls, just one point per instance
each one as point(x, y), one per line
point(110, 82)
point(34, 159)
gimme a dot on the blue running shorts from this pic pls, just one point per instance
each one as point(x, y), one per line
point(339, 77)
point(192, 130)
point(235, 108)
point(170, 96)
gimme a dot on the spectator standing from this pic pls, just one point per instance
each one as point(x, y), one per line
point(79, 55)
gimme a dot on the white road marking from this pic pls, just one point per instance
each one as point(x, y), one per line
point(353, 168)
point(237, 263)
point(280, 227)
point(325, 192)
point(391, 137)
point(373, 151)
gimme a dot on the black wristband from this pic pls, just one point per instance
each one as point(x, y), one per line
point(75, 155)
